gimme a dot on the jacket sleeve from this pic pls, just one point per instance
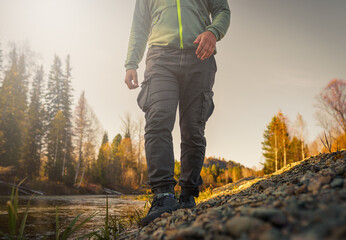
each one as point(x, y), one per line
point(140, 29)
point(221, 15)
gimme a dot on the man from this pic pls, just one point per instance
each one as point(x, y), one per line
point(180, 68)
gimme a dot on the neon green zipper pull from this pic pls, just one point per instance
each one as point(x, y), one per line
point(180, 25)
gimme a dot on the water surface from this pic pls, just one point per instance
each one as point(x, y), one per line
point(41, 217)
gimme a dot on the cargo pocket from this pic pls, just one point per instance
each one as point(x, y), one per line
point(142, 99)
point(207, 106)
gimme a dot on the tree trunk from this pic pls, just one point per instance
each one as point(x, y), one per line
point(284, 142)
point(56, 147)
point(276, 153)
point(79, 158)
point(81, 179)
point(64, 161)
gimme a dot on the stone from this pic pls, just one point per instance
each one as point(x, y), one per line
point(264, 184)
point(158, 234)
point(340, 170)
point(239, 225)
point(325, 179)
point(268, 191)
point(275, 216)
point(301, 189)
point(314, 185)
point(188, 233)
point(328, 172)
point(277, 204)
point(272, 234)
point(337, 182)
point(307, 176)
point(290, 189)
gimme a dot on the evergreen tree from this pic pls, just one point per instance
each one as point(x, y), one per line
point(276, 140)
point(35, 127)
point(58, 100)
point(67, 109)
point(13, 106)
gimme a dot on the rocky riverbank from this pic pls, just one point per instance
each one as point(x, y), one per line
point(304, 201)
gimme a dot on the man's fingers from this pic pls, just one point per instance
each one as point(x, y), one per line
point(131, 79)
point(203, 50)
point(134, 78)
point(200, 47)
point(197, 40)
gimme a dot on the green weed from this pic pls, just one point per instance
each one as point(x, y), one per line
point(13, 220)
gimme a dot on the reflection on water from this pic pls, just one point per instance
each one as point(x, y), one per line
point(41, 217)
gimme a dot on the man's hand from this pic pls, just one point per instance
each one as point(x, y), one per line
point(131, 78)
point(206, 45)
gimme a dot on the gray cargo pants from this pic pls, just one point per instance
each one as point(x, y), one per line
point(175, 76)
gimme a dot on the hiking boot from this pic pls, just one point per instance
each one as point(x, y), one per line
point(187, 201)
point(162, 202)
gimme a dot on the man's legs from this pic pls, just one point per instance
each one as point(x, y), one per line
point(195, 107)
point(159, 100)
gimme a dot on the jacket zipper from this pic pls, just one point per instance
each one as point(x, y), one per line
point(180, 25)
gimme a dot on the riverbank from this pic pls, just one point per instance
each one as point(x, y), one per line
point(305, 200)
point(46, 187)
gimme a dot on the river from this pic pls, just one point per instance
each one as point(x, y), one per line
point(41, 218)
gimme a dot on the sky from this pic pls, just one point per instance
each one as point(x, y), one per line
point(277, 55)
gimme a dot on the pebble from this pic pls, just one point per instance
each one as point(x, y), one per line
point(304, 202)
point(264, 184)
point(239, 225)
point(337, 182)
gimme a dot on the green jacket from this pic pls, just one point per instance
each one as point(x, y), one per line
point(174, 23)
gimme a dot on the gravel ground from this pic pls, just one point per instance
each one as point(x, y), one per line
point(303, 201)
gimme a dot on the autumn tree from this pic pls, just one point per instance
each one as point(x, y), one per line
point(102, 161)
point(300, 129)
point(331, 112)
point(55, 147)
point(283, 135)
point(115, 169)
point(81, 126)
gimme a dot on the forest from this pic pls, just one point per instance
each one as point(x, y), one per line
point(63, 148)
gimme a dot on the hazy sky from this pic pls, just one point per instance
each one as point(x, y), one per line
point(277, 54)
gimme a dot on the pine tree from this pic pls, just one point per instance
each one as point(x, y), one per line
point(276, 140)
point(13, 106)
point(66, 108)
point(35, 127)
point(58, 100)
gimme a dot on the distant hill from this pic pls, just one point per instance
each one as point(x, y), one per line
point(223, 164)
